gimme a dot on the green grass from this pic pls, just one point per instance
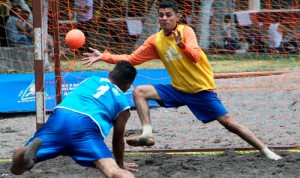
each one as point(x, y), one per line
point(253, 63)
point(219, 63)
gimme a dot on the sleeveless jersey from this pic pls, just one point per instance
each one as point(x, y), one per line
point(99, 99)
point(186, 75)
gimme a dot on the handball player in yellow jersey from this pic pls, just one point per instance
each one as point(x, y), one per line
point(192, 82)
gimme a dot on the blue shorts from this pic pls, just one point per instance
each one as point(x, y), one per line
point(205, 105)
point(71, 134)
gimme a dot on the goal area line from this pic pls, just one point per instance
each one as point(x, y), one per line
point(215, 151)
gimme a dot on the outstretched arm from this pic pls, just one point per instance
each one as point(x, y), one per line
point(144, 53)
point(118, 143)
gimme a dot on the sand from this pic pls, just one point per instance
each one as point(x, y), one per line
point(267, 105)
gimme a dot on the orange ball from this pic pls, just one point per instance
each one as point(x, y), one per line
point(75, 39)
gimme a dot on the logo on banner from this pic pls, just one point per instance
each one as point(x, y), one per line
point(28, 94)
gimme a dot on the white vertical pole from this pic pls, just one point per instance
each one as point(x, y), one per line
point(39, 63)
point(254, 5)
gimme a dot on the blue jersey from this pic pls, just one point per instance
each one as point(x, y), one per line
point(99, 99)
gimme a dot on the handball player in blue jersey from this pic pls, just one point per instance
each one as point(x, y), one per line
point(80, 123)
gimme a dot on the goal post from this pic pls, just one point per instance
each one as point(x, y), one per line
point(39, 63)
point(41, 14)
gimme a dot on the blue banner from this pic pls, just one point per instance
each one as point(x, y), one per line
point(17, 91)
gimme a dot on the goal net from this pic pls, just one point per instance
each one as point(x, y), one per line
point(255, 61)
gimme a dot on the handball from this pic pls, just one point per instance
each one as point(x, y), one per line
point(75, 39)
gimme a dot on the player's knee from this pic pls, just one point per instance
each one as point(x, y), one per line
point(110, 169)
point(122, 173)
point(230, 124)
point(138, 92)
point(118, 173)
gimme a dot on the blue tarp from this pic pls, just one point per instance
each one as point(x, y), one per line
point(17, 91)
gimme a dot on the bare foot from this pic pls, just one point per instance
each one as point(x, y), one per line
point(17, 166)
point(30, 153)
point(140, 141)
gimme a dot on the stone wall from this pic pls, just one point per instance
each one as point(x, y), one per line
point(17, 59)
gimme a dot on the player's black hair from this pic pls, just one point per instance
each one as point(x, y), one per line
point(167, 4)
point(123, 73)
point(14, 9)
point(26, 11)
point(227, 18)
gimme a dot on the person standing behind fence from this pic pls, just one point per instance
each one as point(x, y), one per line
point(18, 30)
point(290, 39)
point(84, 15)
point(230, 42)
point(192, 82)
point(275, 36)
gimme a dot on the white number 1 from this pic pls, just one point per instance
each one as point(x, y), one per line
point(101, 90)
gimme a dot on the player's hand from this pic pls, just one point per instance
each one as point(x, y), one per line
point(178, 38)
point(132, 167)
point(92, 57)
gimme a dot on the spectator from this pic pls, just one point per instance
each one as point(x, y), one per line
point(290, 39)
point(25, 6)
point(230, 42)
point(19, 33)
point(274, 36)
point(28, 27)
point(252, 37)
point(281, 38)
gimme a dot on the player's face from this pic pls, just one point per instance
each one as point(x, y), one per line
point(167, 19)
point(125, 87)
